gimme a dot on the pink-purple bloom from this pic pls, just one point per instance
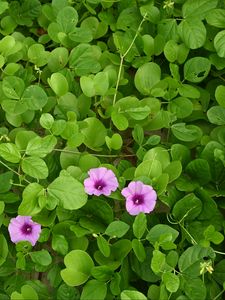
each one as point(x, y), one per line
point(139, 198)
point(101, 181)
point(22, 228)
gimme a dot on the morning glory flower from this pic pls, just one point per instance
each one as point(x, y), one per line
point(22, 228)
point(101, 181)
point(139, 198)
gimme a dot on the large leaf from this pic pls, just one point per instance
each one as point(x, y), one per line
point(10, 152)
point(41, 146)
point(189, 261)
point(198, 8)
point(192, 33)
point(68, 191)
point(34, 97)
point(78, 268)
point(35, 167)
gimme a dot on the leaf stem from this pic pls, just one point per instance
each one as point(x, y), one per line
point(97, 155)
point(10, 169)
point(217, 296)
point(122, 56)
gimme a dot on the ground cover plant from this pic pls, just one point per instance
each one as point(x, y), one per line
point(112, 149)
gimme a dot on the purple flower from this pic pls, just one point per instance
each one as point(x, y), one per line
point(139, 198)
point(22, 228)
point(101, 181)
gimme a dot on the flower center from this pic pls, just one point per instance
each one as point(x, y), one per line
point(100, 184)
point(26, 229)
point(138, 199)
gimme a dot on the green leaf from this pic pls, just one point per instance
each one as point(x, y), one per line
point(131, 295)
point(190, 259)
point(3, 249)
point(158, 262)
point(5, 181)
point(64, 291)
point(78, 268)
point(29, 292)
point(199, 170)
point(103, 246)
point(146, 77)
point(139, 250)
point(117, 229)
point(115, 142)
point(40, 147)
point(60, 244)
point(159, 153)
point(212, 235)
point(182, 107)
point(188, 208)
point(68, 191)
point(150, 12)
point(171, 281)
point(192, 33)
point(219, 42)
point(186, 133)
point(57, 59)
point(35, 167)
point(195, 289)
point(220, 95)
point(58, 84)
point(94, 133)
point(219, 273)
point(29, 205)
point(149, 168)
point(3, 6)
point(84, 59)
point(10, 152)
point(34, 97)
point(216, 18)
point(189, 91)
point(196, 69)
point(41, 257)
point(138, 134)
point(67, 18)
point(120, 121)
point(81, 35)
point(46, 120)
point(216, 115)
point(198, 8)
point(13, 87)
point(181, 153)
point(140, 225)
point(174, 170)
point(37, 55)
point(94, 289)
point(158, 230)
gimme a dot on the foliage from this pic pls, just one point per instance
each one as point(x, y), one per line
point(136, 87)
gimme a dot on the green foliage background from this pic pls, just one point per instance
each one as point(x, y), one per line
point(137, 87)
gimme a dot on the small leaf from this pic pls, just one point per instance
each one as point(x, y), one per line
point(216, 115)
point(103, 246)
point(41, 257)
point(146, 77)
point(140, 225)
point(171, 281)
point(10, 152)
point(117, 229)
point(139, 250)
point(94, 289)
